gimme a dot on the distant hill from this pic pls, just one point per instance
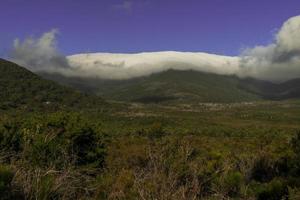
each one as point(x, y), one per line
point(20, 88)
point(272, 91)
point(183, 86)
point(172, 86)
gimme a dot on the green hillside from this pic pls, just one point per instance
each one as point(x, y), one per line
point(183, 87)
point(20, 88)
point(272, 91)
point(172, 86)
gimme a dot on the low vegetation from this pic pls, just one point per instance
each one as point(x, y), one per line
point(71, 155)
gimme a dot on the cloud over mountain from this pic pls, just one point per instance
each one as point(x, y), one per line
point(277, 61)
point(123, 66)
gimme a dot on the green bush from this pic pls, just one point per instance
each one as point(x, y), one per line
point(156, 131)
point(87, 147)
point(11, 137)
point(263, 169)
point(7, 189)
point(6, 176)
point(43, 151)
point(233, 182)
point(54, 140)
point(45, 188)
point(295, 145)
point(274, 190)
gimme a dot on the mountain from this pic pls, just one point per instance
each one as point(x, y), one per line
point(184, 86)
point(272, 91)
point(20, 88)
point(172, 86)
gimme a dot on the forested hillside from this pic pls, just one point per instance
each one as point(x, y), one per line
point(20, 88)
point(175, 86)
point(169, 86)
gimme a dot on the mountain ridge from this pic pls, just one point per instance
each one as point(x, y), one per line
point(183, 86)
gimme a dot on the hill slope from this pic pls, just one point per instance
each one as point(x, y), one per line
point(272, 91)
point(183, 86)
point(172, 85)
point(21, 88)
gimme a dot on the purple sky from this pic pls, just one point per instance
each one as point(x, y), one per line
point(214, 26)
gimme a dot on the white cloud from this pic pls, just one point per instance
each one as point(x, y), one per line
point(39, 54)
point(277, 61)
point(123, 66)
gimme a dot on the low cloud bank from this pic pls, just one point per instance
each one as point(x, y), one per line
point(124, 66)
point(278, 61)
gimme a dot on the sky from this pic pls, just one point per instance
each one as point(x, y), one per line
point(224, 27)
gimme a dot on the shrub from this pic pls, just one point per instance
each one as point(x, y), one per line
point(6, 176)
point(87, 147)
point(233, 183)
point(294, 193)
point(274, 190)
point(7, 190)
point(10, 137)
point(156, 131)
point(44, 152)
point(295, 145)
point(263, 169)
point(53, 141)
point(44, 188)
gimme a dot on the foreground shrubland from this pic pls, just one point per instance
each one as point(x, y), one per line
point(65, 156)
